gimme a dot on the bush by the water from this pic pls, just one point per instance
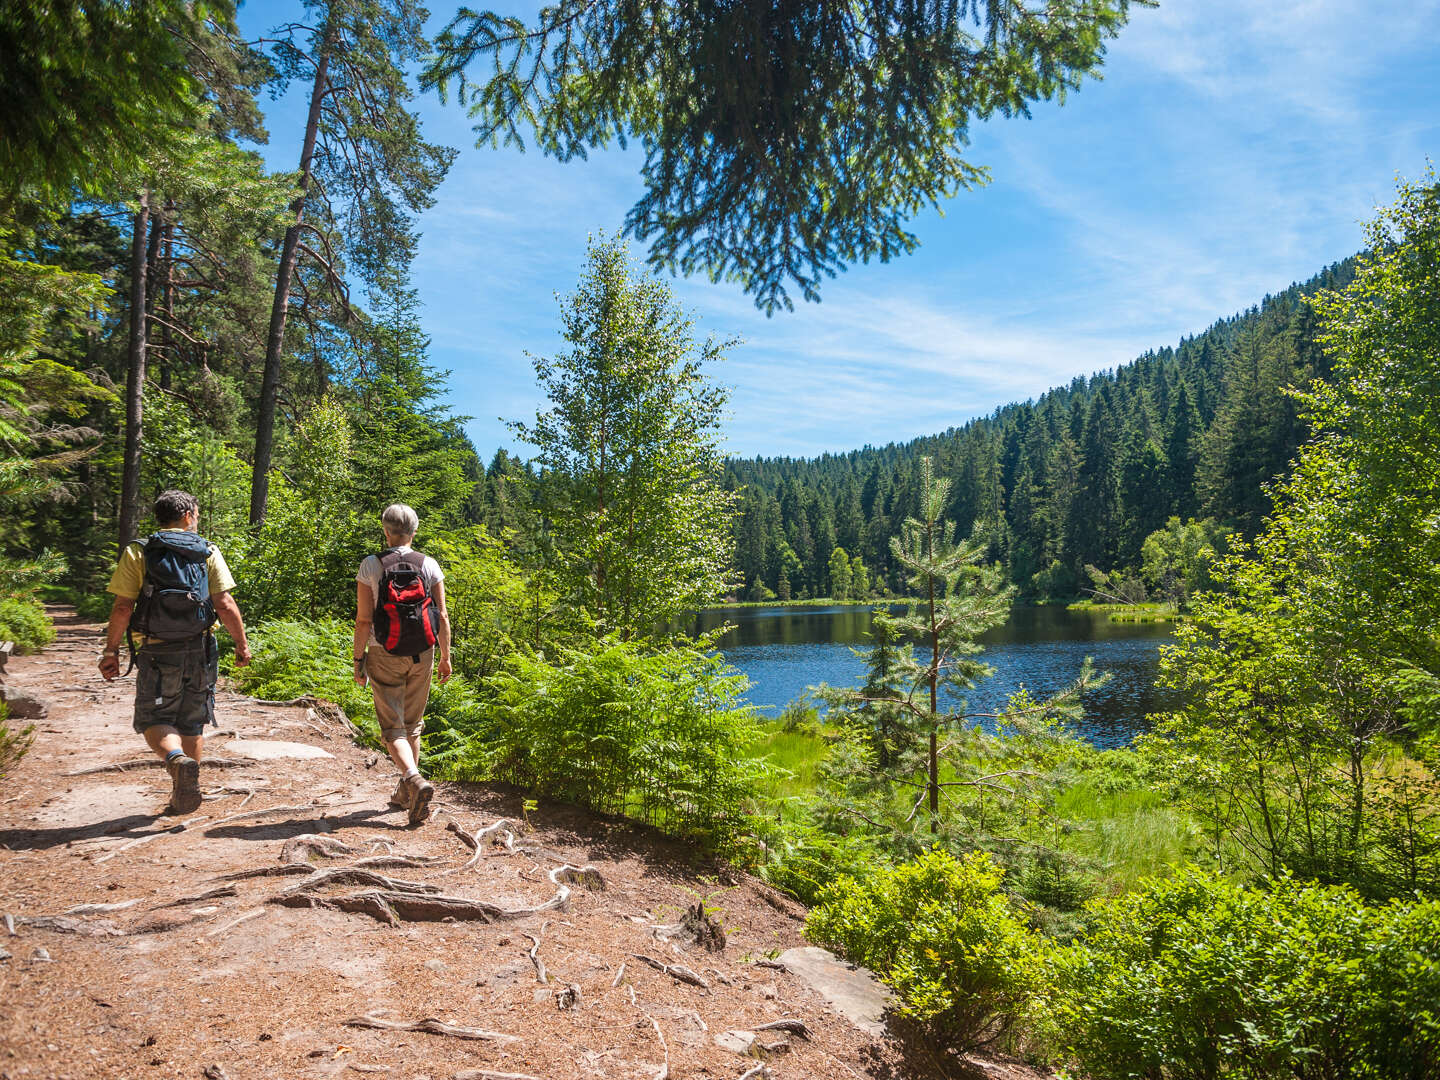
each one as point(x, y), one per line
point(1199, 977)
point(24, 622)
point(654, 735)
point(942, 934)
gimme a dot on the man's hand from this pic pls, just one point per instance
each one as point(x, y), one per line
point(110, 666)
point(242, 654)
point(445, 669)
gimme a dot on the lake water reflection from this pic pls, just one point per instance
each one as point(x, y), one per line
point(786, 650)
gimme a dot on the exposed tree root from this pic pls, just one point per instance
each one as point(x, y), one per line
point(675, 971)
point(60, 924)
point(293, 703)
point(431, 1026)
point(664, 1072)
point(208, 894)
point(351, 875)
point(283, 870)
point(375, 862)
point(100, 909)
point(266, 812)
point(253, 913)
point(392, 900)
point(489, 1074)
point(540, 976)
point(759, 1072)
point(299, 849)
point(792, 1027)
point(476, 841)
point(155, 762)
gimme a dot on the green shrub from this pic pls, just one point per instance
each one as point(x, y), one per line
point(942, 934)
point(655, 736)
point(25, 623)
point(13, 744)
point(802, 857)
point(1198, 977)
point(295, 657)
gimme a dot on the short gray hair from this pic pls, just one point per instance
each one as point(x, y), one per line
point(400, 520)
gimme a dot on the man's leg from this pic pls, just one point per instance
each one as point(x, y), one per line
point(164, 739)
point(181, 754)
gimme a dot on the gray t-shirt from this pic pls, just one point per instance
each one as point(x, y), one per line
point(369, 574)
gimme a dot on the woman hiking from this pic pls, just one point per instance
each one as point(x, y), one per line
point(400, 619)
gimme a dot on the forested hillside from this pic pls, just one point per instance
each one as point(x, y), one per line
point(1079, 477)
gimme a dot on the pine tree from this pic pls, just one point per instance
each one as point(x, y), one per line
point(956, 600)
point(363, 146)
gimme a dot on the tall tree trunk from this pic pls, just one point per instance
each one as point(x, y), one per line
point(167, 296)
point(134, 378)
point(274, 343)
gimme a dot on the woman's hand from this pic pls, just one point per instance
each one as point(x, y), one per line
point(361, 678)
point(444, 668)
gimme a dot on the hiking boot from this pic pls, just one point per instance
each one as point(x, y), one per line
point(421, 792)
point(401, 799)
point(184, 784)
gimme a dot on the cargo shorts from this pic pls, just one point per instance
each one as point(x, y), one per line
point(175, 684)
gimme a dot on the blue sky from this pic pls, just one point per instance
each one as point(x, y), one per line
point(1230, 149)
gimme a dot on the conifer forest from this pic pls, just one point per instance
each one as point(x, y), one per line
point(1248, 889)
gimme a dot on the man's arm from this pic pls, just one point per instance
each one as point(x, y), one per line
point(120, 613)
point(230, 618)
point(444, 636)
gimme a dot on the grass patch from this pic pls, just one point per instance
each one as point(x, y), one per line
point(794, 757)
point(1132, 833)
point(1130, 613)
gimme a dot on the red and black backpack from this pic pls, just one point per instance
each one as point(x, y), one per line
point(406, 621)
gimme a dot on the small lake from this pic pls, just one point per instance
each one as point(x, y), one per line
point(784, 651)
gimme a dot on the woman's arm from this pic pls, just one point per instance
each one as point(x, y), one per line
point(364, 615)
point(438, 595)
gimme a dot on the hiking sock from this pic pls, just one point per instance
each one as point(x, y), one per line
point(412, 775)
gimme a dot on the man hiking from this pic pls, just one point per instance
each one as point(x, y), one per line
point(400, 618)
point(169, 590)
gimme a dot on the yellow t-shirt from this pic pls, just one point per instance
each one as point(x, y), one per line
point(129, 573)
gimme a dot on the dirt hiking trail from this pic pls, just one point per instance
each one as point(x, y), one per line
point(296, 926)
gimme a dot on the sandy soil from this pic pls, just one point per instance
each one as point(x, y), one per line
point(171, 982)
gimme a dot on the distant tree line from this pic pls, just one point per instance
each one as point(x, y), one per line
point(1077, 478)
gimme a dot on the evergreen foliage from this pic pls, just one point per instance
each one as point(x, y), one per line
point(1084, 474)
point(782, 142)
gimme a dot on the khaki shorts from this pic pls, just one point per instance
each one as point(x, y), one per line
point(401, 685)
